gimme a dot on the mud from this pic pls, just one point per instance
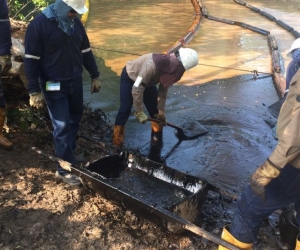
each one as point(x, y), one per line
point(137, 182)
point(38, 211)
point(239, 130)
point(155, 191)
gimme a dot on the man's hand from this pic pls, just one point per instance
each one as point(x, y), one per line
point(5, 62)
point(95, 85)
point(141, 116)
point(262, 177)
point(162, 118)
point(37, 100)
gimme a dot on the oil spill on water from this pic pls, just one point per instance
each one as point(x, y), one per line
point(239, 129)
point(234, 110)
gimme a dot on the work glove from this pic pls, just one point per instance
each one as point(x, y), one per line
point(37, 100)
point(262, 177)
point(141, 116)
point(5, 62)
point(95, 85)
point(162, 118)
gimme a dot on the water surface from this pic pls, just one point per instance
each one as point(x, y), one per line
point(220, 92)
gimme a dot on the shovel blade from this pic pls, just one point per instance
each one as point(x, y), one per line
point(192, 129)
point(275, 108)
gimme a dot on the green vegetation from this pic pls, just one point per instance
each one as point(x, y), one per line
point(25, 119)
point(25, 10)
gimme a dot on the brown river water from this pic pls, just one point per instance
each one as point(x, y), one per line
point(220, 92)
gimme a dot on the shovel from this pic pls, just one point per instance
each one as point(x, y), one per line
point(275, 107)
point(190, 130)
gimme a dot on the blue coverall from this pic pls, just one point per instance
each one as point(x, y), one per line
point(251, 210)
point(53, 55)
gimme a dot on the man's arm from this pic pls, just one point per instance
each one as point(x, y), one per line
point(5, 37)
point(33, 52)
point(288, 146)
point(145, 75)
point(88, 58)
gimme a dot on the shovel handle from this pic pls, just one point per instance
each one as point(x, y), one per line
point(168, 124)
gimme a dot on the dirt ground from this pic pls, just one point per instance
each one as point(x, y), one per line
point(39, 211)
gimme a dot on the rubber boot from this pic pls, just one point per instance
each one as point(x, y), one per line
point(118, 138)
point(230, 239)
point(297, 247)
point(156, 134)
point(4, 143)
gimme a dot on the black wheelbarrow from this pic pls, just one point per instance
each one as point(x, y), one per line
point(158, 193)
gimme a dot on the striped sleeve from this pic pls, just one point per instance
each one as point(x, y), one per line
point(33, 52)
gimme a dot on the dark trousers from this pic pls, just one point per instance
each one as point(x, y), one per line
point(65, 110)
point(251, 210)
point(126, 100)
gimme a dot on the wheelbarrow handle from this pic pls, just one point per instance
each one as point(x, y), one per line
point(64, 164)
point(174, 218)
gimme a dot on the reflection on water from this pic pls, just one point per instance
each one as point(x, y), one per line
point(133, 27)
point(138, 27)
point(289, 6)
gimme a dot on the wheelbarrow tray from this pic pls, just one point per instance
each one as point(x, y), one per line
point(149, 189)
point(154, 191)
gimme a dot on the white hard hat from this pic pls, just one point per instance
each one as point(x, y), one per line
point(295, 45)
point(78, 5)
point(188, 57)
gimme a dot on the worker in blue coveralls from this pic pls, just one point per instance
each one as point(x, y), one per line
point(276, 183)
point(5, 65)
point(56, 50)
